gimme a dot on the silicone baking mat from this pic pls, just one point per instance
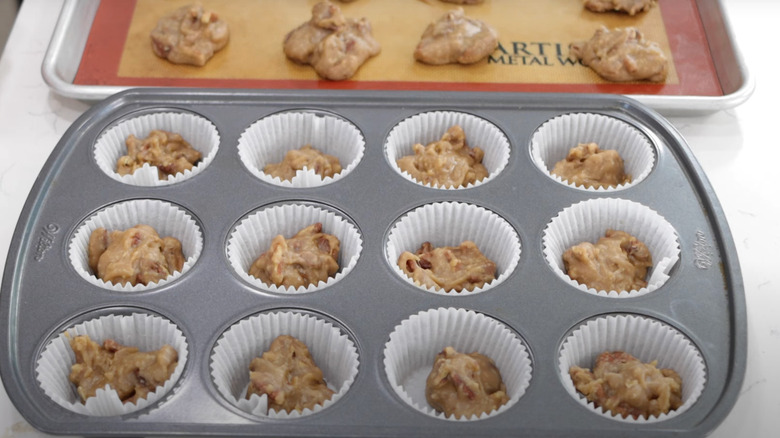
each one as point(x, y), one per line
point(532, 55)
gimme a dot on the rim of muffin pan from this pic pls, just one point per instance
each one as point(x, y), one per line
point(55, 355)
point(552, 140)
point(200, 132)
point(251, 235)
point(449, 224)
point(588, 220)
point(332, 345)
point(408, 356)
point(167, 218)
point(429, 126)
point(269, 138)
point(644, 337)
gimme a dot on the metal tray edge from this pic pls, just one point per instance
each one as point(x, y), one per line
point(55, 63)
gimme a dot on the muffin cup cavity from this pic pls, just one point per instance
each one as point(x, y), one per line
point(332, 350)
point(145, 331)
point(200, 133)
point(553, 140)
point(253, 235)
point(644, 338)
point(167, 219)
point(269, 139)
point(410, 353)
point(587, 221)
point(429, 127)
point(449, 224)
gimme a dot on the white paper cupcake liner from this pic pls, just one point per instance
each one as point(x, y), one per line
point(269, 139)
point(333, 352)
point(200, 133)
point(145, 331)
point(429, 127)
point(644, 338)
point(167, 219)
point(449, 224)
point(587, 221)
point(253, 235)
point(414, 344)
point(553, 140)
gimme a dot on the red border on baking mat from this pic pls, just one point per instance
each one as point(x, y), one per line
point(697, 76)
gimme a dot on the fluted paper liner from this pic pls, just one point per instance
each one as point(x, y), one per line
point(429, 127)
point(167, 219)
point(449, 224)
point(253, 235)
point(587, 221)
point(333, 352)
point(200, 133)
point(414, 343)
point(644, 338)
point(553, 140)
point(145, 331)
point(269, 139)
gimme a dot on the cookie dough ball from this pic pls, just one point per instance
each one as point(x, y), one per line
point(288, 375)
point(630, 7)
point(322, 164)
point(450, 268)
point(307, 258)
point(622, 55)
point(449, 162)
point(587, 165)
point(464, 2)
point(189, 35)
point(618, 261)
point(334, 45)
point(455, 38)
point(167, 151)
point(464, 384)
point(136, 256)
point(623, 385)
point(131, 373)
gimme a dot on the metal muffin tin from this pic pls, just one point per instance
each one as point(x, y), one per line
point(42, 294)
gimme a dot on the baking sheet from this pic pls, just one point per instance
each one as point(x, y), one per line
point(703, 299)
point(533, 46)
point(114, 50)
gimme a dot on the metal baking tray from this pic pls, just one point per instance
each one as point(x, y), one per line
point(41, 292)
point(66, 47)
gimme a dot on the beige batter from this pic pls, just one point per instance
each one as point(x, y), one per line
point(167, 151)
point(449, 162)
point(137, 255)
point(464, 384)
point(307, 258)
point(450, 268)
point(189, 35)
point(587, 165)
point(630, 7)
point(623, 385)
point(131, 373)
point(622, 55)
point(455, 38)
point(322, 164)
point(334, 45)
point(618, 261)
point(288, 375)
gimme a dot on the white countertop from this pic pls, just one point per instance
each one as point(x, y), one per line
point(733, 147)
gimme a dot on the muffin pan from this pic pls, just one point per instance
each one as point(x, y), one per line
point(697, 307)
